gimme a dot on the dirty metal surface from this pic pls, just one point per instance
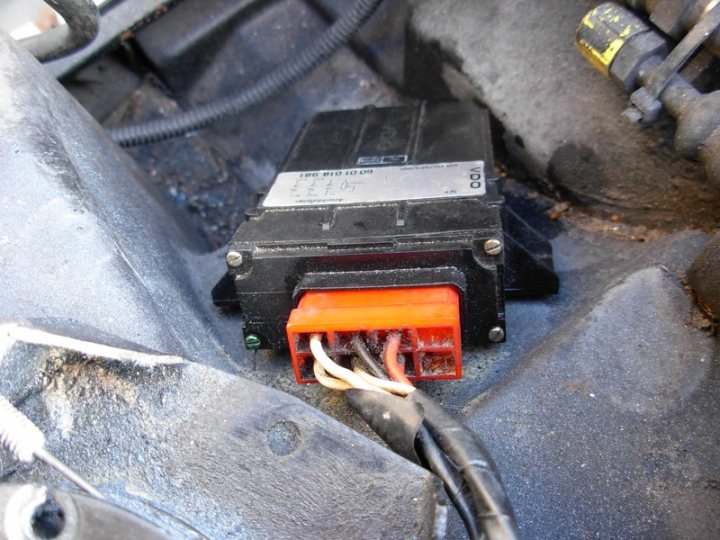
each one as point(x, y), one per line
point(704, 277)
point(562, 119)
point(608, 421)
point(83, 238)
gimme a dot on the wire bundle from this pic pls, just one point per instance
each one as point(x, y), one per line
point(332, 375)
point(435, 439)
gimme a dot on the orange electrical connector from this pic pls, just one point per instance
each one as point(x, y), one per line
point(427, 318)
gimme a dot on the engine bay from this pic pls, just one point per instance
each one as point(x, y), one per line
point(501, 267)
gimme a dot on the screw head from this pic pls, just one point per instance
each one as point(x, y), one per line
point(496, 334)
point(493, 246)
point(252, 341)
point(233, 259)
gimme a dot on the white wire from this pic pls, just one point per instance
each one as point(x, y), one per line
point(393, 387)
point(334, 369)
point(328, 381)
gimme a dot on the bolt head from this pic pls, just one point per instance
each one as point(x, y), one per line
point(496, 334)
point(633, 115)
point(252, 341)
point(233, 259)
point(493, 246)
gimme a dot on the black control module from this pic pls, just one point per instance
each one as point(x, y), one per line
point(384, 198)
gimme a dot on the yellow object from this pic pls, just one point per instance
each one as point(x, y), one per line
point(603, 32)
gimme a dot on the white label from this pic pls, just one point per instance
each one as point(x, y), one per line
point(377, 184)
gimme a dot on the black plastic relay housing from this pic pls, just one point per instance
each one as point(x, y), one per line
point(384, 198)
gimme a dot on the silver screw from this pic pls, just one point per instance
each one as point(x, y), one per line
point(493, 246)
point(496, 334)
point(234, 259)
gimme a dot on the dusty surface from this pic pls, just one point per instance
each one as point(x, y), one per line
point(601, 408)
point(562, 120)
point(202, 453)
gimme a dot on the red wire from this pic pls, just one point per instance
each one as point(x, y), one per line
point(390, 358)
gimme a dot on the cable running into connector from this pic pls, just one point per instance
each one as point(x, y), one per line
point(441, 443)
point(332, 375)
point(391, 362)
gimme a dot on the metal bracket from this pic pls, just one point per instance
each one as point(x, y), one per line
point(644, 102)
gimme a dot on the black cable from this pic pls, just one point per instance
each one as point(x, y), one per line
point(82, 24)
point(422, 431)
point(367, 359)
point(435, 461)
point(483, 481)
point(289, 72)
point(472, 460)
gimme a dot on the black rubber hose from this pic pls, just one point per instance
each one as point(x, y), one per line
point(289, 72)
point(82, 26)
point(435, 460)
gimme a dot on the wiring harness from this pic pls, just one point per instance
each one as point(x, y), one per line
point(284, 76)
point(416, 427)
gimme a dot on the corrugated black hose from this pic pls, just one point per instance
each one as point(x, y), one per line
point(289, 72)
